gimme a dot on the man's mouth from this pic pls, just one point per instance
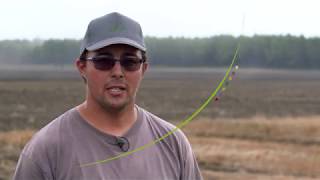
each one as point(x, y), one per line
point(116, 90)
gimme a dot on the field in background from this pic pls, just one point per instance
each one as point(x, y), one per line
point(266, 126)
point(258, 148)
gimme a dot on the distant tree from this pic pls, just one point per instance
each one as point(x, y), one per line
point(14, 51)
point(256, 51)
point(57, 52)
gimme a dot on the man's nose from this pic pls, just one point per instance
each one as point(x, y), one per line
point(117, 71)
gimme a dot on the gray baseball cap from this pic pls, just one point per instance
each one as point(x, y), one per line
point(113, 28)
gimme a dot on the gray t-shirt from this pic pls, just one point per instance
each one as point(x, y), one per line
point(57, 151)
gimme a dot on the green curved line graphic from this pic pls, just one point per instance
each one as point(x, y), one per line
point(180, 125)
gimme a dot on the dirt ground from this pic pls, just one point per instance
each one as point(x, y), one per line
point(265, 126)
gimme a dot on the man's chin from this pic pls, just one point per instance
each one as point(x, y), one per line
point(114, 106)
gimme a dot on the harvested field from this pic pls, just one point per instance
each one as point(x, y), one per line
point(266, 126)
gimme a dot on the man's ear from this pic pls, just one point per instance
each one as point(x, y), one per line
point(144, 67)
point(81, 66)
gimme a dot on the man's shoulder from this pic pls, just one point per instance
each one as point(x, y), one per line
point(48, 136)
point(164, 127)
point(172, 136)
point(155, 120)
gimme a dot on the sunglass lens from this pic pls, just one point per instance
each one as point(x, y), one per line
point(130, 63)
point(103, 62)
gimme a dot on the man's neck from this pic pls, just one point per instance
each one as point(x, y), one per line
point(112, 122)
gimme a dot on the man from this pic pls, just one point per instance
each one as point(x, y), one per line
point(108, 122)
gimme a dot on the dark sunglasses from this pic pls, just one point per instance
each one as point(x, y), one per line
point(106, 62)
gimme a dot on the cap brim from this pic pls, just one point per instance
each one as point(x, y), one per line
point(116, 40)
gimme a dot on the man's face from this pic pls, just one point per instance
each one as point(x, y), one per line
point(115, 88)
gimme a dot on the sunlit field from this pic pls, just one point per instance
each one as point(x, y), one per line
point(265, 126)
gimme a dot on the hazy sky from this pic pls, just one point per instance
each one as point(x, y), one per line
point(192, 18)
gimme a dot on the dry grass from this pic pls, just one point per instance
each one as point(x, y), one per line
point(16, 137)
point(222, 156)
point(11, 143)
point(214, 175)
point(258, 148)
point(266, 158)
point(300, 130)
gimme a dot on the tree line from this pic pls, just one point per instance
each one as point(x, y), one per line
point(256, 51)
